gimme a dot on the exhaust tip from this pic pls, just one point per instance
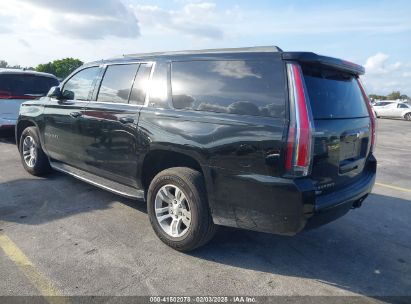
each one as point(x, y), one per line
point(358, 203)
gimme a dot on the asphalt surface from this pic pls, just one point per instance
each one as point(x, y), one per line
point(87, 241)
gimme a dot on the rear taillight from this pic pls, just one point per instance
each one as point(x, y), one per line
point(299, 144)
point(4, 94)
point(373, 126)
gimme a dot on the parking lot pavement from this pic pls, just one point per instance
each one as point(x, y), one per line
point(84, 241)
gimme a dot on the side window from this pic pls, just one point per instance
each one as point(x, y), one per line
point(158, 91)
point(138, 92)
point(80, 85)
point(403, 106)
point(116, 83)
point(238, 87)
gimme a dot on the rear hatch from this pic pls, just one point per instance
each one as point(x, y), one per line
point(341, 123)
point(15, 88)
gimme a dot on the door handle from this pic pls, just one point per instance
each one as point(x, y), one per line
point(75, 114)
point(126, 120)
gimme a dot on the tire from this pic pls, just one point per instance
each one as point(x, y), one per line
point(40, 165)
point(407, 116)
point(191, 184)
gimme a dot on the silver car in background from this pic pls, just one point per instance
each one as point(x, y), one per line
point(18, 86)
point(394, 110)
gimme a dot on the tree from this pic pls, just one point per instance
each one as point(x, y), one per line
point(394, 95)
point(65, 66)
point(3, 64)
point(46, 68)
point(61, 68)
point(377, 97)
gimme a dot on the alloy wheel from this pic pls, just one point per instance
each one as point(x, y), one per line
point(29, 151)
point(172, 210)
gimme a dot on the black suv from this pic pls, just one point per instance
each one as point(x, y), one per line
point(254, 138)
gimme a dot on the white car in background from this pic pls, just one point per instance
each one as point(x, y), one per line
point(18, 86)
point(395, 110)
point(379, 104)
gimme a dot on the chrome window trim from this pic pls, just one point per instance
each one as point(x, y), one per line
point(139, 62)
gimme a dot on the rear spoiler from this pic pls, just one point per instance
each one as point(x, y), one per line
point(308, 57)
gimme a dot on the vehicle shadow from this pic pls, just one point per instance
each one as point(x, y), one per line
point(367, 252)
point(7, 136)
point(53, 197)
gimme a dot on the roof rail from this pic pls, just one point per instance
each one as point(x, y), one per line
point(255, 49)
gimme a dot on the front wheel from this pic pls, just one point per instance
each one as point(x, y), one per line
point(32, 155)
point(407, 116)
point(178, 209)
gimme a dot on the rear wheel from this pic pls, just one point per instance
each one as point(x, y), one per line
point(407, 116)
point(178, 209)
point(32, 155)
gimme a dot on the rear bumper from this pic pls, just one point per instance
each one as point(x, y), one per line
point(284, 206)
point(332, 206)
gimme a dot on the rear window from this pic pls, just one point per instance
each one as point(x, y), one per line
point(25, 85)
point(333, 94)
point(245, 87)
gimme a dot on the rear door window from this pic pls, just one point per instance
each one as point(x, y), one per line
point(158, 88)
point(140, 86)
point(116, 83)
point(333, 94)
point(253, 87)
point(21, 86)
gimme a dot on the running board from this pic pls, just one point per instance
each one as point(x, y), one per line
point(99, 181)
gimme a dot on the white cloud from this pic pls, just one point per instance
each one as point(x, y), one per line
point(383, 77)
point(38, 31)
point(24, 42)
point(377, 64)
point(193, 20)
point(5, 23)
point(81, 7)
point(92, 19)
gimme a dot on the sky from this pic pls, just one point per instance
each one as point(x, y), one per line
point(376, 34)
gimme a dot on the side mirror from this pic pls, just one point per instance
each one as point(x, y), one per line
point(67, 95)
point(54, 92)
